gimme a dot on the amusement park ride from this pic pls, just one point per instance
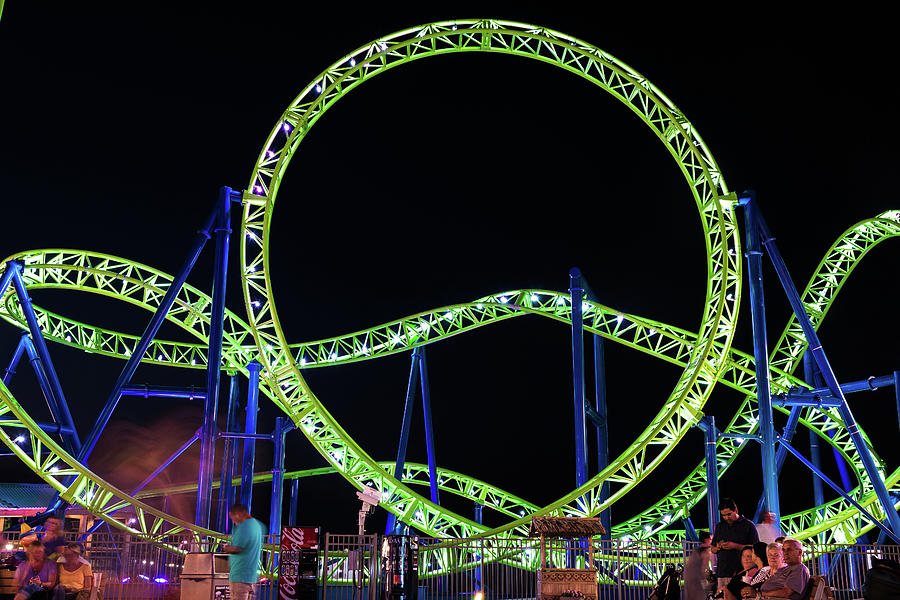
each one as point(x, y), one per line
point(257, 348)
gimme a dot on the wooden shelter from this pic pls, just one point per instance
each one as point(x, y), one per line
point(553, 582)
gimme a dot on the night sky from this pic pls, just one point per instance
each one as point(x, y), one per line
point(440, 182)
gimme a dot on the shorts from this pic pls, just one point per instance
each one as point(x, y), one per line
point(241, 591)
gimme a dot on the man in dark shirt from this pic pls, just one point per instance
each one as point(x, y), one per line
point(732, 533)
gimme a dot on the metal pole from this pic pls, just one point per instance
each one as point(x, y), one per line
point(790, 428)
point(846, 496)
point(602, 428)
point(708, 425)
point(295, 494)
point(282, 426)
point(161, 391)
point(689, 532)
point(5, 279)
point(392, 526)
point(43, 382)
point(429, 430)
point(73, 444)
point(16, 357)
point(815, 346)
point(225, 488)
point(761, 355)
point(167, 462)
point(897, 393)
point(249, 451)
point(146, 338)
point(576, 291)
point(809, 375)
point(214, 362)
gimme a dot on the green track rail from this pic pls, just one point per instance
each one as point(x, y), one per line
point(706, 356)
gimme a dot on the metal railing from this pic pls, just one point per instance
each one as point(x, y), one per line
point(455, 569)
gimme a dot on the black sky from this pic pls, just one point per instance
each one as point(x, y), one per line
point(440, 182)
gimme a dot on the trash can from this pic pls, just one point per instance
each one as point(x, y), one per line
point(205, 577)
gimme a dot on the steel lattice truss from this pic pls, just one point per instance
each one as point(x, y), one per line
point(706, 356)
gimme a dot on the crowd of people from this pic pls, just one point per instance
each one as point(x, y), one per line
point(751, 561)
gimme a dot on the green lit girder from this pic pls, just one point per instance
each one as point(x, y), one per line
point(704, 361)
point(827, 280)
point(652, 337)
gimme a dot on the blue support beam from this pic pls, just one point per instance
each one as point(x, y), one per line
point(226, 497)
point(761, 355)
point(214, 361)
point(576, 291)
point(146, 338)
point(162, 391)
point(282, 426)
point(10, 370)
point(393, 526)
point(248, 456)
point(43, 382)
point(711, 434)
point(167, 462)
point(790, 428)
point(897, 393)
point(809, 375)
point(815, 347)
point(689, 532)
point(602, 429)
point(846, 496)
point(295, 495)
point(429, 428)
point(61, 413)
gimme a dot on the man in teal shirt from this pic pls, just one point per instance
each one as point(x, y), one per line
point(245, 550)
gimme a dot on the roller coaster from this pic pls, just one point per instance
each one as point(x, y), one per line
point(258, 347)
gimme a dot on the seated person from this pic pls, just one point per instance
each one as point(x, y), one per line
point(36, 577)
point(75, 576)
point(790, 580)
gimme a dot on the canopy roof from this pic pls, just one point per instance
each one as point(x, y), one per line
point(566, 526)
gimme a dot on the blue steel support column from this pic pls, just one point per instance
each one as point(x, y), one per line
point(43, 383)
point(790, 428)
point(576, 290)
point(16, 357)
point(761, 354)
point(282, 426)
point(292, 510)
point(429, 429)
point(227, 473)
point(897, 393)
point(146, 338)
point(809, 375)
point(689, 532)
point(602, 428)
point(248, 456)
point(214, 360)
point(63, 416)
point(708, 425)
point(392, 525)
point(167, 462)
point(5, 279)
point(815, 347)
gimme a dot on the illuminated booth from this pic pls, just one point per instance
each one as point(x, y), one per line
point(567, 557)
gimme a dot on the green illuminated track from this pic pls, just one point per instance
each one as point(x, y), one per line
point(705, 356)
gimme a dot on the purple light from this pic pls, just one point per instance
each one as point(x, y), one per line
point(318, 88)
point(287, 126)
point(161, 580)
point(126, 579)
point(257, 189)
point(144, 577)
point(269, 153)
